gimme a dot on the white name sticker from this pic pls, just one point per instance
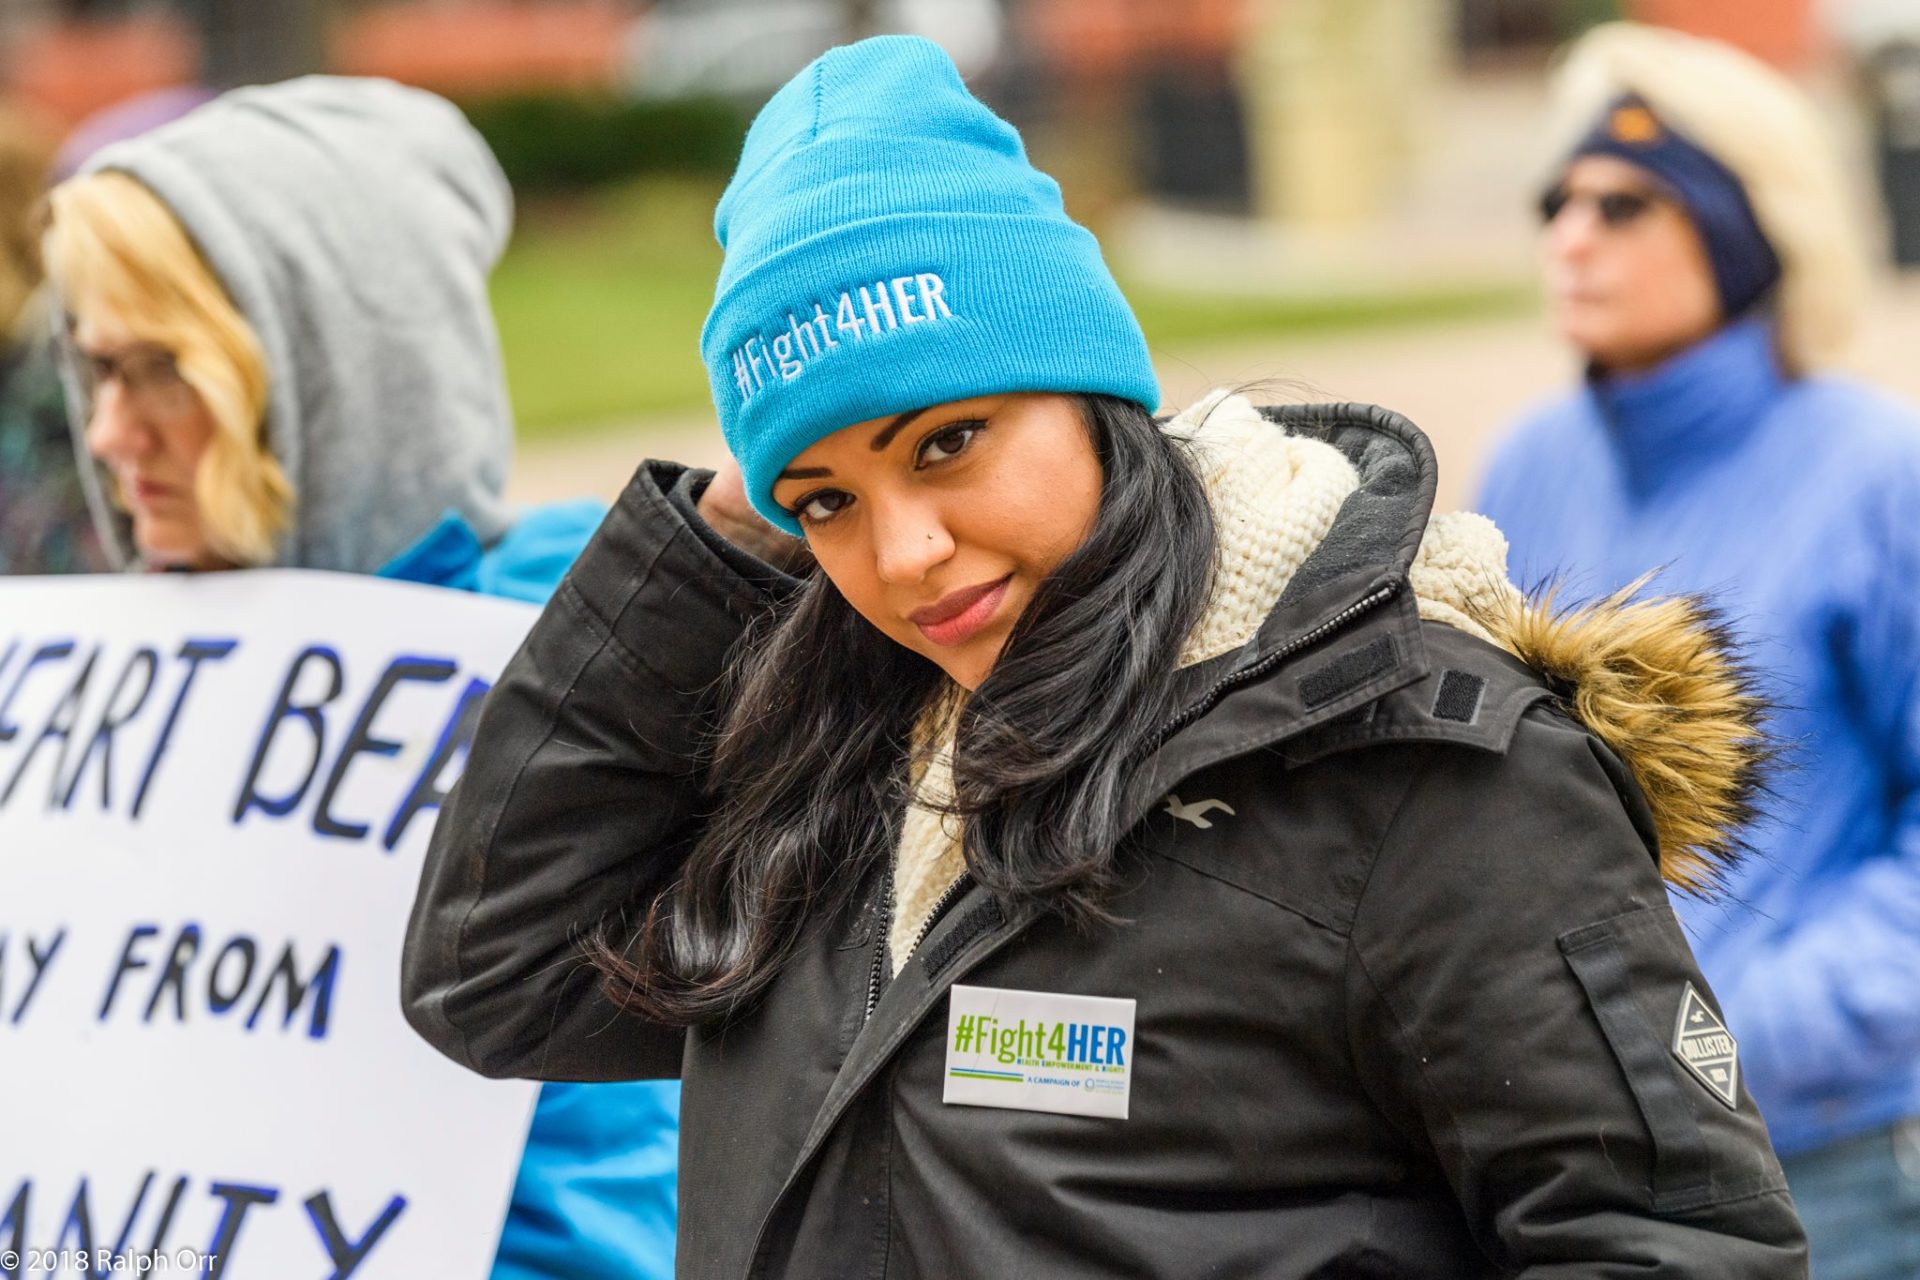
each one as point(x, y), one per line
point(1037, 1051)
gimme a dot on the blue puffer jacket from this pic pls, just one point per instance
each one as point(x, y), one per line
point(596, 1195)
point(1795, 506)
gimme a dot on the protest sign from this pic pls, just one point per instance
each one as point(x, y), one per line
point(215, 793)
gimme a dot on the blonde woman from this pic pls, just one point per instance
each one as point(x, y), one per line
point(279, 327)
point(1700, 257)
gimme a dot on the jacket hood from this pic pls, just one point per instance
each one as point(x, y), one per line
point(1661, 682)
point(354, 223)
point(1658, 681)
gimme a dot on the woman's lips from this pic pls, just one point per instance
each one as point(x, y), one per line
point(959, 615)
point(147, 492)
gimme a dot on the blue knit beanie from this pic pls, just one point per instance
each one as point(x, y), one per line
point(889, 247)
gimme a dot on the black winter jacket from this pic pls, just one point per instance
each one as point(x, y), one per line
point(1409, 997)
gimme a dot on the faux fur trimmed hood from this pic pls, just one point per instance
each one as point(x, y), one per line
point(1661, 682)
point(1658, 679)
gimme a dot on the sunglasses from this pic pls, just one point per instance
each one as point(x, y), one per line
point(1616, 208)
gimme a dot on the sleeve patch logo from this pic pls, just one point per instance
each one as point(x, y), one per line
point(1707, 1049)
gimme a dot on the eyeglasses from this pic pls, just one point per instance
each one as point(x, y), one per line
point(149, 377)
point(1616, 208)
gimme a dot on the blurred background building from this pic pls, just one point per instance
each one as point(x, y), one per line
point(1307, 112)
point(1335, 195)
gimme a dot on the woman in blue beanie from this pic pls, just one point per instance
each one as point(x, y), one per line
point(1097, 846)
point(1701, 260)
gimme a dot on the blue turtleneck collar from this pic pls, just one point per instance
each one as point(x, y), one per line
point(1677, 417)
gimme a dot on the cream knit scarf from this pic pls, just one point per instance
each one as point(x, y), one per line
point(1274, 498)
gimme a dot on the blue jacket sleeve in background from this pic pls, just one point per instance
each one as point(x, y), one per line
point(597, 1193)
point(596, 1197)
point(1794, 505)
point(1833, 1002)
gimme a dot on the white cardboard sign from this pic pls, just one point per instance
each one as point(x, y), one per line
point(215, 793)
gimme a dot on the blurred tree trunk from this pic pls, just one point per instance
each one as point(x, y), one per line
point(861, 18)
point(258, 41)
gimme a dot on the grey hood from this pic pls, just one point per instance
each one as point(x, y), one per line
point(354, 223)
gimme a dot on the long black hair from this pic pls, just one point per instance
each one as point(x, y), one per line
point(809, 771)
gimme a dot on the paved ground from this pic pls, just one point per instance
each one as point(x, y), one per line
point(1460, 382)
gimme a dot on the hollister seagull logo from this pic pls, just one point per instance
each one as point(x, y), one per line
point(1197, 811)
point(1706, 1048)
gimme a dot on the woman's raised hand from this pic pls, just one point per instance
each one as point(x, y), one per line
point(725, 507)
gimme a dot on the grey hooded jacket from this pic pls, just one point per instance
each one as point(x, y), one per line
point(1409, 1006)
point(387, 403)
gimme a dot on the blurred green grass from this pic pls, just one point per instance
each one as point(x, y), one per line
point(600, 301)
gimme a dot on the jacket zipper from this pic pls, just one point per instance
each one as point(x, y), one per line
point(960, 885)
point(883, 924)
point(1234, 679)
point(1206, 703)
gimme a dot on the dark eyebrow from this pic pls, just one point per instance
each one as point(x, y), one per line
point(893, 429)
point(879, 442)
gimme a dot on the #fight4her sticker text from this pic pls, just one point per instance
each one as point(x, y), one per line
point(1039, 1051)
